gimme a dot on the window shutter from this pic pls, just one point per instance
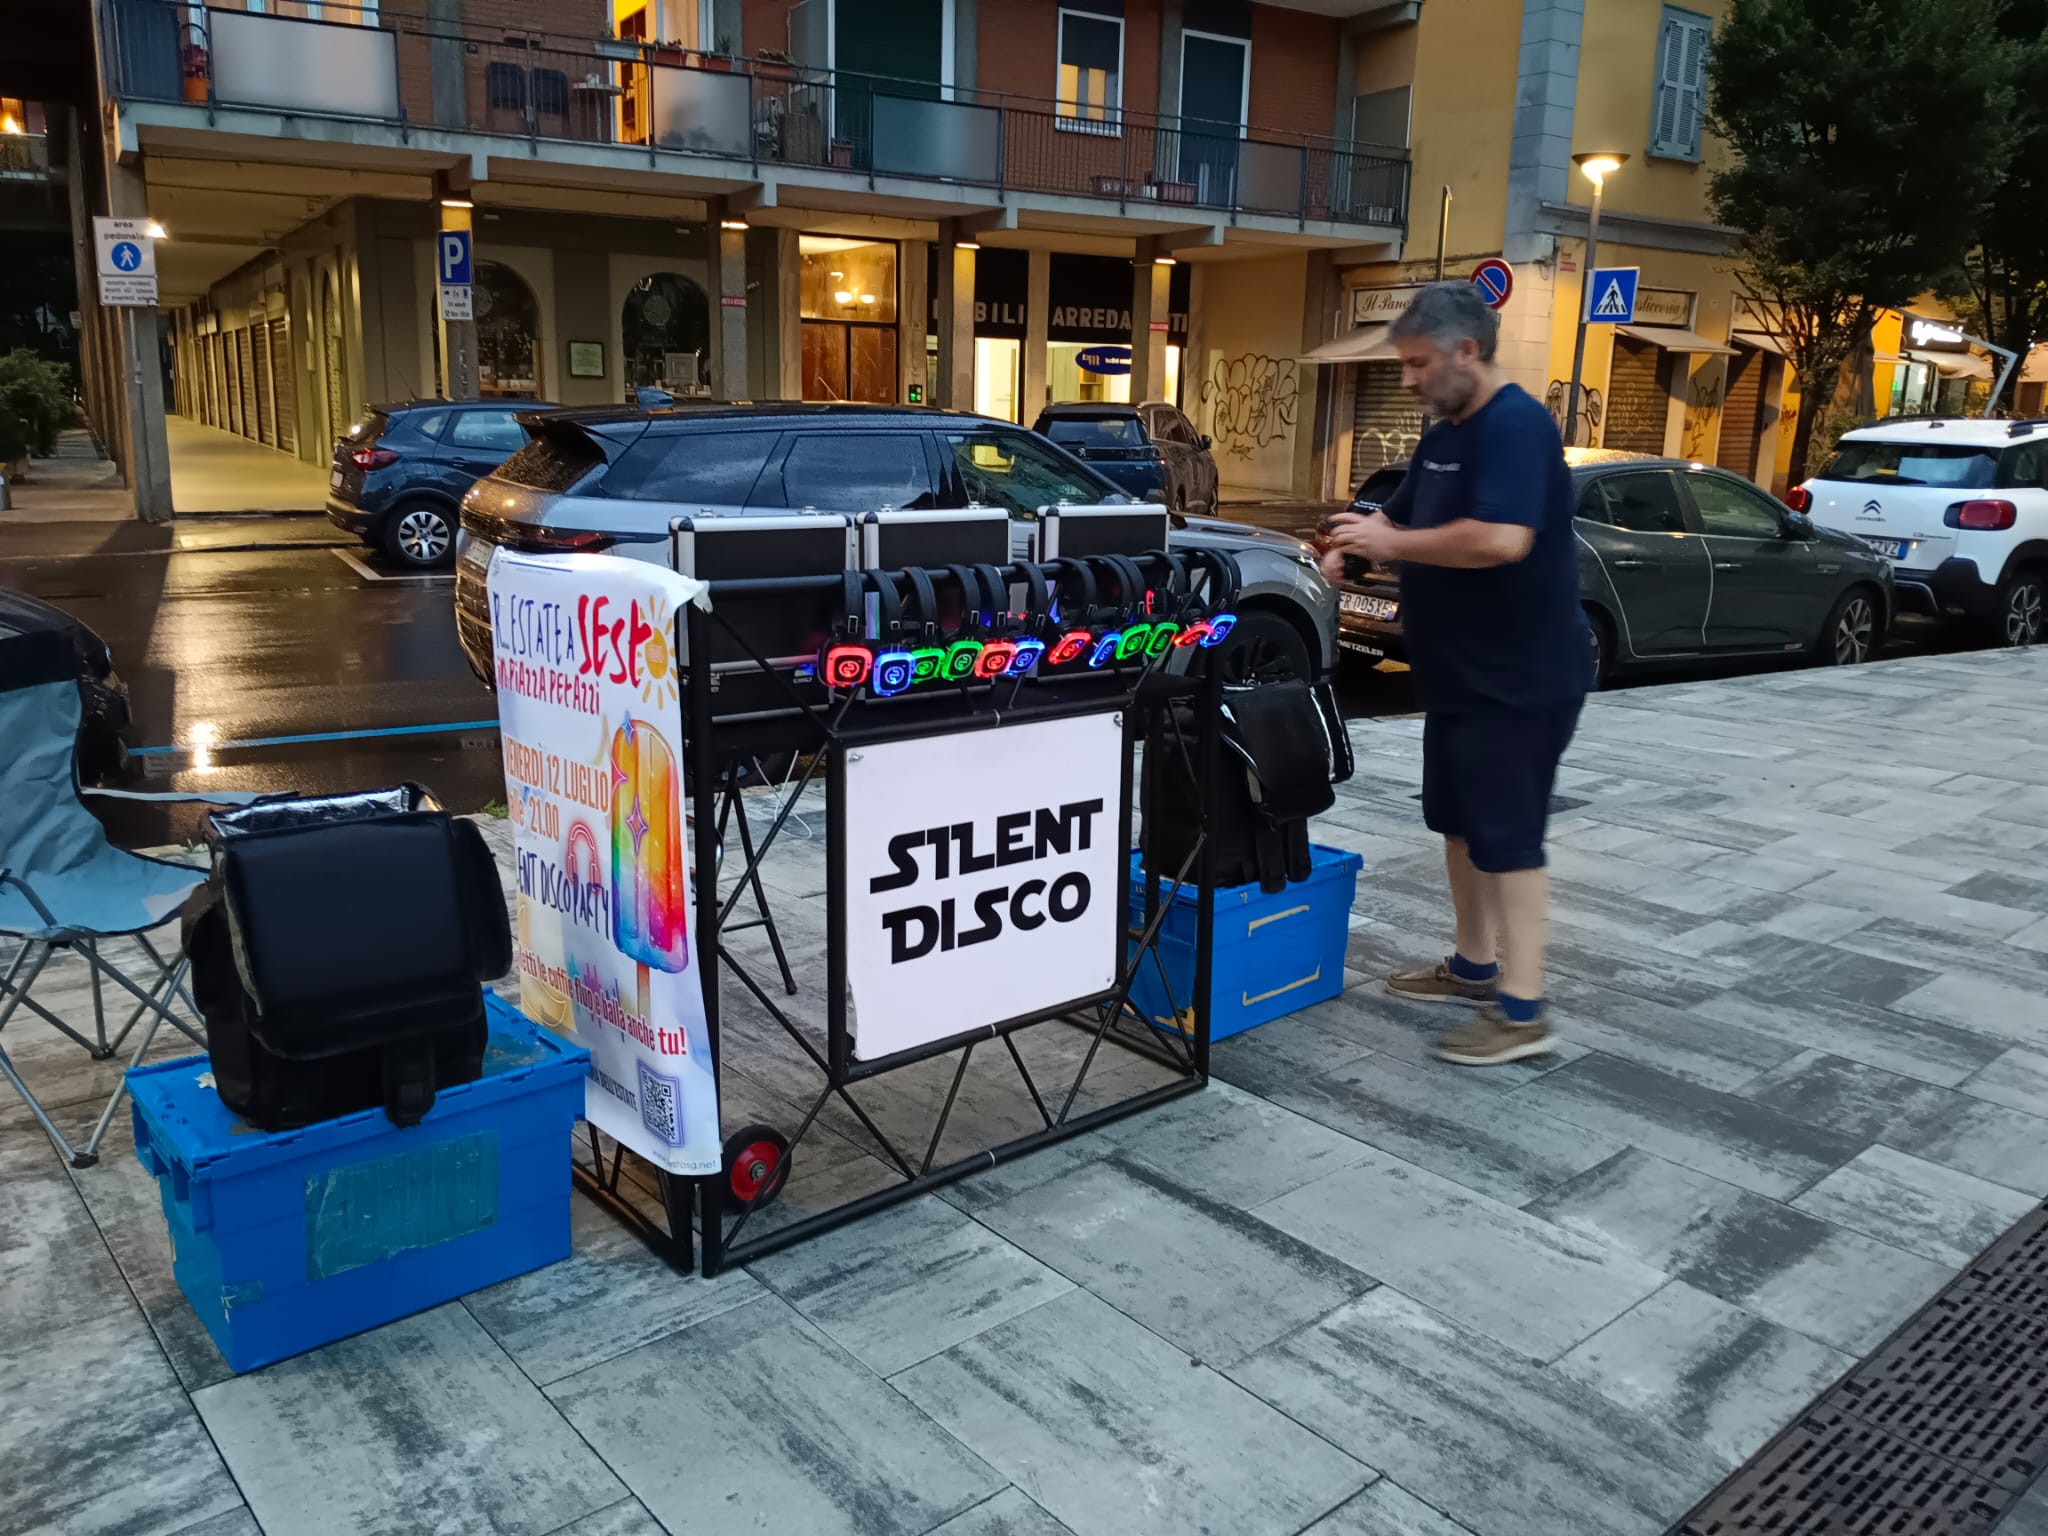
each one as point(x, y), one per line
point(1693, 94)
point(1670, 50)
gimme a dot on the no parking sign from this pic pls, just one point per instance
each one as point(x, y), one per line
point(1495, 280)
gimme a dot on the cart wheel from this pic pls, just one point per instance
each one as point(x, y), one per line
point(756, 1164)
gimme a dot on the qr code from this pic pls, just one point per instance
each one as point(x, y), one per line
point(661, 1106)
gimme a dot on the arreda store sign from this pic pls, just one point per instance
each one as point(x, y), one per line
point(1090, 299)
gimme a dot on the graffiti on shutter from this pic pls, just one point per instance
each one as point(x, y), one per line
point(1742, 414)
point(1636, 402)
point(1386, 421)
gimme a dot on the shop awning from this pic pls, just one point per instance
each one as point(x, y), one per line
point(1673, 339)
point(1760, 340)
point(1364, 343)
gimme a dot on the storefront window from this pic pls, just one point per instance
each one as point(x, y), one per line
point(507, 333)
point(848, 292)
point(848, 279)
point(1069, 380)
point(996, 361)
point(664, 329)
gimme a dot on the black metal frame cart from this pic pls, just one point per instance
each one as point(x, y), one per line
point(813, 1038)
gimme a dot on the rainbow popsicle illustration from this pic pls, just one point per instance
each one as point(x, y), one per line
point(649, 921)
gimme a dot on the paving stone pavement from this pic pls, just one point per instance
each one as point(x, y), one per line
point(1801, 935)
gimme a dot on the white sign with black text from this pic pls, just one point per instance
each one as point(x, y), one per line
point(985, 877)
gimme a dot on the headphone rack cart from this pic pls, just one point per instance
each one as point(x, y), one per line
point(716, 1222)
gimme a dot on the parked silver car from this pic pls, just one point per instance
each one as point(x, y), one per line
point(613, 480)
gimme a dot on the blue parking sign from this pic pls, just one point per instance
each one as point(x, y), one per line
point(1612, 294)
point(454, 258)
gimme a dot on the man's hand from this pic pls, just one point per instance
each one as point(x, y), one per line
point(1372, 537)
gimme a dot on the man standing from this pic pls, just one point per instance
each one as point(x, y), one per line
point(1482, 532)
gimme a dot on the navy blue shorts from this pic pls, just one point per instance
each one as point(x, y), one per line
point(1486, 778)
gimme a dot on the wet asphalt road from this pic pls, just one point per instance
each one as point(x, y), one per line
point(227, 650)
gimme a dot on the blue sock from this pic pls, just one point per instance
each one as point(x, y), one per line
point(1465, 970)
point(1520, 1010)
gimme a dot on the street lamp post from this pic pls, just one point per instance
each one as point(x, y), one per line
point(1598, 166)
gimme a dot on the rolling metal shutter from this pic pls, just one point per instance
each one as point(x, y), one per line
point(266, 407)
point(285, 381)
point(1636, 402)
point(234, 377)
point(1386, 421)
point(245, 366)
point(1742, 412)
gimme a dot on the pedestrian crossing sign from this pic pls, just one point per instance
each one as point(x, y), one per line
point(1611, 295)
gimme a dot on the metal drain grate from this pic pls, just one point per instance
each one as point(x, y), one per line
point(1937, 1433)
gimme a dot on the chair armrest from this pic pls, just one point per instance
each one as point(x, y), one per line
point(9, 877)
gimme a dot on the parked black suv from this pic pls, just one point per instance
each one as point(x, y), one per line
point(1150, 451)
point(401, 473)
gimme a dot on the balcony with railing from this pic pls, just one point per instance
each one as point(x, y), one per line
point(548, 90)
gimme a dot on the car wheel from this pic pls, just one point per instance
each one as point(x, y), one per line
point(1603, 646)
point(1263, 645)
point(2022, 607)
point(420, 534)
point(1850, 635)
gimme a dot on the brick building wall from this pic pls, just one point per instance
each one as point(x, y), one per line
point(1294, 71)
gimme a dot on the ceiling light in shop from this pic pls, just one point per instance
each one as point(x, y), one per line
point(1162, 261)
point(732, 223)
point(842, 296)
point(867, 298)
point(966, 245)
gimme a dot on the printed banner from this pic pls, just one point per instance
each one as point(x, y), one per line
point(589, 709)
point(985, 877)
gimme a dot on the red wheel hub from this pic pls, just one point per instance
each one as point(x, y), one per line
point(754, 1169)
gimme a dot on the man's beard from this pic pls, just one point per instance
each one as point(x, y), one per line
point(1451, 396)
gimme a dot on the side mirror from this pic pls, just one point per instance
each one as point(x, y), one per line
point(1798, 526)
point(1204, 440)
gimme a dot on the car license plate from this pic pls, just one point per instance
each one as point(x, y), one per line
point(334, 480)
point(1368, 607)
point(477, 552)
point(1891, 549)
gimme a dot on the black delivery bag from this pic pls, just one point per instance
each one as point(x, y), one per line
point(1283, 746)
point(338, 953)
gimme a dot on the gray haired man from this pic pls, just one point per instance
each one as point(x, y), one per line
point(1482, 532)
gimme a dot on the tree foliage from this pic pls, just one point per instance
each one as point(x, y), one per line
point(2001, 290)
point(36, 394)
point(1868, 137)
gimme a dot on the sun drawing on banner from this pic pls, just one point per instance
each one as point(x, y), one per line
point(659, 685)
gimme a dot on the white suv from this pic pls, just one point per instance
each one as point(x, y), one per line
point(1959, 507)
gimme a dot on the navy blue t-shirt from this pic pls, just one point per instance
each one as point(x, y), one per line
point(1509, 635)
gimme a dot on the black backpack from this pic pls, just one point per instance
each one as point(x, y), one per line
point(338, 954)
point(1283, 748)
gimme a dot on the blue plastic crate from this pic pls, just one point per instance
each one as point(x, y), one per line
point(287, 1240)
point(1271, 954)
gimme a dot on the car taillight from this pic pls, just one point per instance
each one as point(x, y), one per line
point(1985, 516)
point(1799, 499)
point(373, 458)
point(584, 541)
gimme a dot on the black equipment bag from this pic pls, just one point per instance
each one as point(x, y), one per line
point(1283, 748)
point(338, 954)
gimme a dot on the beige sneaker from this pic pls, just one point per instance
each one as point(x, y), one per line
point(1489, 1040)
point(1436, 984)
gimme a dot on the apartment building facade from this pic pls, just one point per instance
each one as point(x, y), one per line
point(988, 204)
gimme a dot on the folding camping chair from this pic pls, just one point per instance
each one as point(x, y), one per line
point(63, 886)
